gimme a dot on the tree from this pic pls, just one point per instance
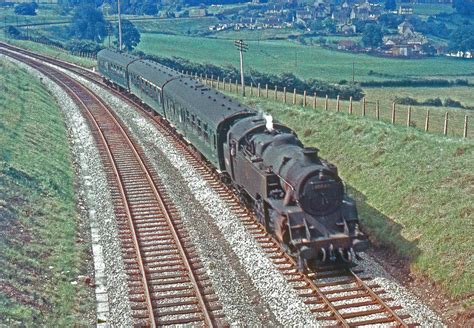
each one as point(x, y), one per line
point(390, 5)
point(130, 35)
point(150, 7)
point(464, 7)
point(462, 39)
point(27, 9)
point(13, 32)
point(330, 25)
point(88, 23)
point(372, 36)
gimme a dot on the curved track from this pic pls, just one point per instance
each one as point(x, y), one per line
point(337, 297)
point(167, 284)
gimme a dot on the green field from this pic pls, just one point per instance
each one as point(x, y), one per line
point(432, 8)
point(277, 56)
point(41, 248)
point(415, 190)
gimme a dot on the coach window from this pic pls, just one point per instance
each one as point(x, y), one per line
point(206, 134)
point(199, 127)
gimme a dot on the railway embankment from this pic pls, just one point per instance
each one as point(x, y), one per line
point(44, 250)
point(414, 190)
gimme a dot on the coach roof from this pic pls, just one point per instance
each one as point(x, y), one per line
point(214, 107)
point(115, 57)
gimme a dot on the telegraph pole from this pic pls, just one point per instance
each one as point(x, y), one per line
point(353, 72)
point(242, 47)
point(119, 26)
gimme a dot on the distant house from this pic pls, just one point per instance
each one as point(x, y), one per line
point(405, 10)
point(347, 28)
point(348, 45)
point(198, 12)
point(361, 12)
point(272, 22)
point(342, 15)
point(303, 15)
point(321, 10)
point(405, 29)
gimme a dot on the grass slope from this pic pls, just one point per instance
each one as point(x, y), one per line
point(415, 190)
point(41, 249)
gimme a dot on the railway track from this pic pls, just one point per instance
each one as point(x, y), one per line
point(337, 297)
point(167, 283)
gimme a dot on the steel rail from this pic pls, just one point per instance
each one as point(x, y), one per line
point(217, 185)
point(74, 94)
point(197, 290)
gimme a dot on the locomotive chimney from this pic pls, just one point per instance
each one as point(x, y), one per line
point(269, 124)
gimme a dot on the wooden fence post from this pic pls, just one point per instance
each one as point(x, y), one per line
point(377, 110)
point(284, 95)
point(276, 92)
point(304, 98)
point(350, 105)
point(393, 113)
point(326, 104)
point(236, 86)
point(294, 96)
point(315, 97)
point(258, 90)
point(205, 79)
point(266, 90)
point(364, 106)
point(408, 116)
point(465, 126)
point(338, 103)
point(427, 121)
point(445, 129)
point(200, 76)
point(223, 84)
point(251, 88)
point(218, 82)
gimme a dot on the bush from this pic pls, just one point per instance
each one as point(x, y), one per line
point(13, 32)
point(27, 9)
point(433, 102)
point(448, 102)
point(77, 46)
point(406, 101)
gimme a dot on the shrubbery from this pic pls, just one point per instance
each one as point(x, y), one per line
point(414, 83)
point(435, 102)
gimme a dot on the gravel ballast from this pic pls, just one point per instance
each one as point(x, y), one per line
point(111, 285)
point(250, 289)
point(231, 256)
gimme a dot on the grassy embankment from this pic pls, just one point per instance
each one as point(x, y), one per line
point(51, 51)
point(41, 248)
point(417, 188)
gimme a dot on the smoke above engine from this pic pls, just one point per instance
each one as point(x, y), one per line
point(269, 122)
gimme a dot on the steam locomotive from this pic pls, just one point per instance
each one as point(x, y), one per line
point(296, 195)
